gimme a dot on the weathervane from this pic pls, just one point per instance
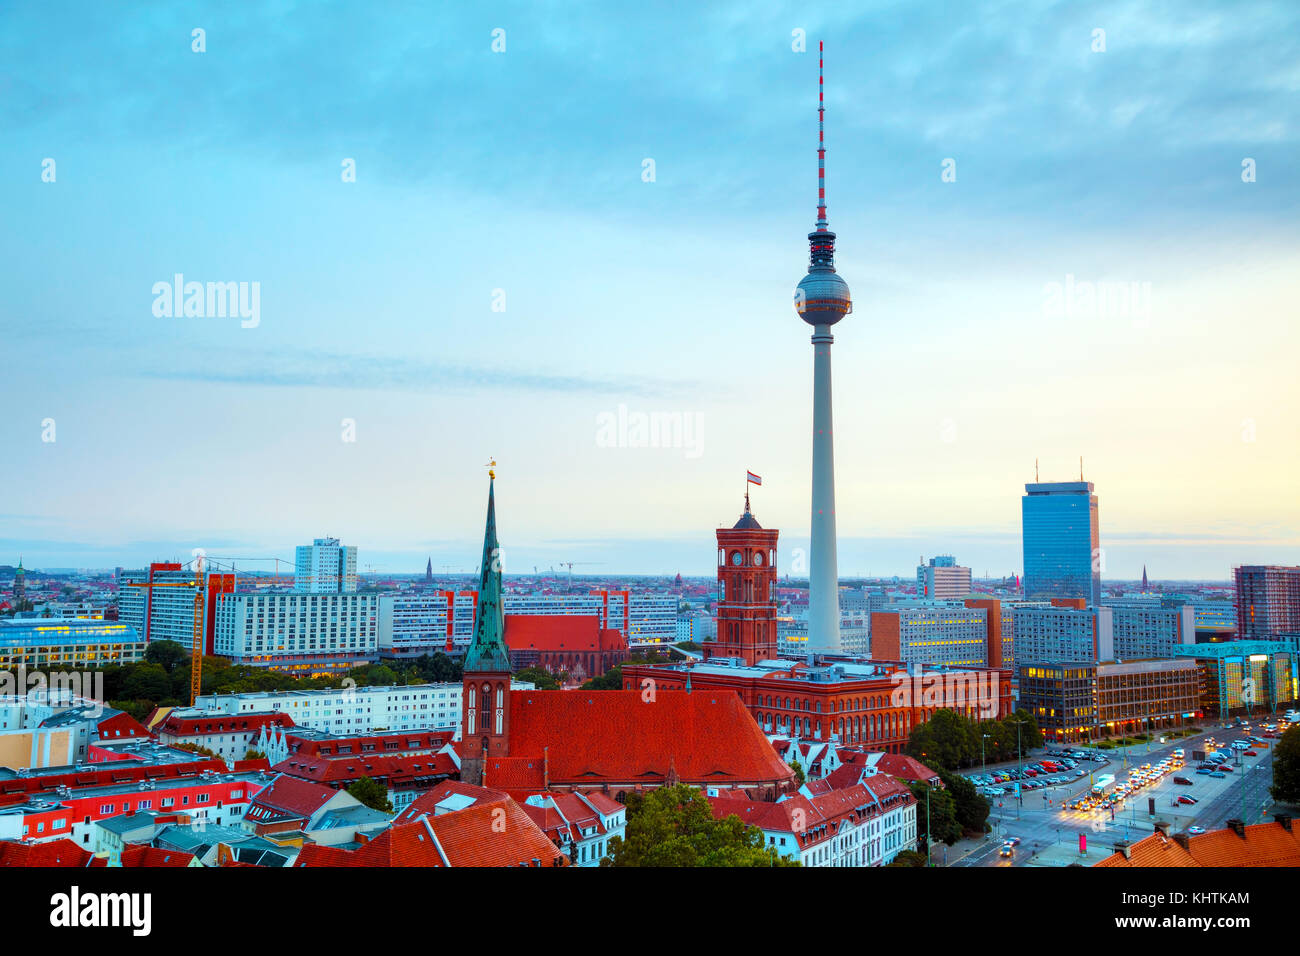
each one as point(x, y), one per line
point(491, 467)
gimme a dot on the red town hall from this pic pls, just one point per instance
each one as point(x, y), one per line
point(746, 614)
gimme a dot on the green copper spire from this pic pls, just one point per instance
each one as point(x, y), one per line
point(488, 652)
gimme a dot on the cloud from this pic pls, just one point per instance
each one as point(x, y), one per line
point(316, 369)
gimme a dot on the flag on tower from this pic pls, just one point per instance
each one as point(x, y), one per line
point(752, 479)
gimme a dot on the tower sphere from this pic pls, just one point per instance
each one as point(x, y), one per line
point(822, 297)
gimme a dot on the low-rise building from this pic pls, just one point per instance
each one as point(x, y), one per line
point(866, 824)
point(1082, 700)
point(49, 644)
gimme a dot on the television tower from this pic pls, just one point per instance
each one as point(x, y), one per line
point(822, 299)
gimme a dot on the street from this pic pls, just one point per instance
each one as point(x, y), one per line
point(1050, 835)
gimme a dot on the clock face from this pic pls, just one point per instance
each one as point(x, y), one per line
point(736, 558)
point(758, 558)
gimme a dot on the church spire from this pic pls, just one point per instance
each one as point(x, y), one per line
point(487, 651)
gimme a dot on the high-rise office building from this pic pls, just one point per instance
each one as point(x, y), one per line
point(1061, 541)
point(1268, 602)
point(943, 579)
point(325, 567)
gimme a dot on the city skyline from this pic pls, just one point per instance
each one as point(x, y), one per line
point(963, 365)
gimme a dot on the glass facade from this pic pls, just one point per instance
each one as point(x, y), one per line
point(1061, 543)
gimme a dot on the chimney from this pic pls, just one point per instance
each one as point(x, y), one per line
point(1181, 840)
point(1238, 827)
point(1284, 819)
point(1162, 827)
point(1123, 846)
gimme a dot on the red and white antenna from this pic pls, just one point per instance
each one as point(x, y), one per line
point(821, 144)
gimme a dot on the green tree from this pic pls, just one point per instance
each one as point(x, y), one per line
point(1286, 767)
point(909, 858)
point(166, 654)
point(196, 749)
point(674, 826)
point(942, 814)
point(946, 741)
point(798, 771)
point(612, 679)
point(147, 682)
point(252, 754)
point(971, 809)
point(372, 793)
point(539, 676)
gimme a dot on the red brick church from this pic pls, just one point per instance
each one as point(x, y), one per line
point(616, 742)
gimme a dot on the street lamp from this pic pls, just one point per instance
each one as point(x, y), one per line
point(983, 766)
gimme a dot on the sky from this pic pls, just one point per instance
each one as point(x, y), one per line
point(1052, 244)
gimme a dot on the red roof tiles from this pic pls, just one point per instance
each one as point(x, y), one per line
point(493, 833)
point(54, 853)
point(618, 737)
point(570, 633)
point(1263, 844)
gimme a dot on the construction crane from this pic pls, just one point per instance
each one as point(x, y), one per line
point(196, 653)
point(570, 565)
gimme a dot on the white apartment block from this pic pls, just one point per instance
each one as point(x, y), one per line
point(169, 608)
point(354, 710)
point(297, 630)
point(325, 567)
point(416, 622)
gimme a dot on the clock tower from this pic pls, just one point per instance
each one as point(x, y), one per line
point(746, 615)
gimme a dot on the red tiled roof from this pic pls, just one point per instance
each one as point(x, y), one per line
point(597, 737)
point(178, 726)
point(811, 820)
point(428, 801)
point(54, 853)
point(293, 797)
point(138, 855)
point(1262, 844)
point(904, 767)
point(474, 836)
point(120, 726)
point(571, 633)
point(393, 770)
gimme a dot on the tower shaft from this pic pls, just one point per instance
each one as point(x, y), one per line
point(823, 577)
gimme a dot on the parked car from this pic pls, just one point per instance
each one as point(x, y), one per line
point(1250, 753)
point(1195, 830)
point(1182, 781)
point(1188, 800)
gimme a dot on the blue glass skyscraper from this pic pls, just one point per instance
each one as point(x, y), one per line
point(1062, 551)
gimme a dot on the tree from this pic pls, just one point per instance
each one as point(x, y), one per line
point(196, 749)
point(539, 676)
point(372, 793)
point(148, 682)
point(1286, 767)
point(674, 826)
point(798, 771)
point(972, 810)
point(942, 814)
point(252, 754)
point(166, 654)
point(612, 679)
point(909, 858)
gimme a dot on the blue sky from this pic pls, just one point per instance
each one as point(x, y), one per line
point(521, 171)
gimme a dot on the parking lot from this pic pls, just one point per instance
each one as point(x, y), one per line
point(1078, 801)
